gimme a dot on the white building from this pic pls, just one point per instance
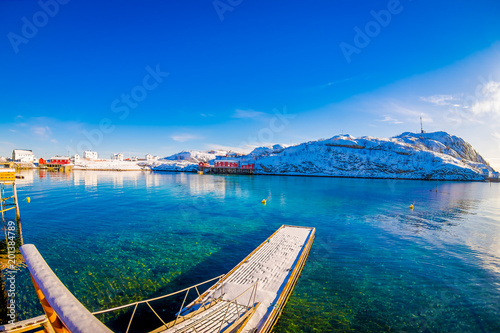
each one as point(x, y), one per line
point(75, 159)
point(117, 157)
point(150, 157)
point(90, 155)
point(23, 156)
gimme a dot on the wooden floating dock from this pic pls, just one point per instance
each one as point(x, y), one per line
point(252, 295)
point(250, 298)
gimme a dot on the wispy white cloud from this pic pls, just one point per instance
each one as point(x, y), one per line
point(247, 114)
point(41, 131)
point(184, 137)
point(391, 120)
point(468, 107)
point(333, 83)
point(439, 99)
point(489, 100)
point(411, 115)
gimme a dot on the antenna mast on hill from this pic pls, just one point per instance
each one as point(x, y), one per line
point(421, 126)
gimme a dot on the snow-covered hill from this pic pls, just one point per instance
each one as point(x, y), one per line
point(186, 161)
point(436, 155)
point(196, 156)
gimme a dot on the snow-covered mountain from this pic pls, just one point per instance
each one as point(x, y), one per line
point(196, 156)
point(436, 155)
point(264, 151)
point(186, 161)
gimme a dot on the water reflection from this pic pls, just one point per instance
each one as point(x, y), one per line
point(90, 178)
point(449, 217)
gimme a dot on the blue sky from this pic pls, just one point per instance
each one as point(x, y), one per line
point(163, 76)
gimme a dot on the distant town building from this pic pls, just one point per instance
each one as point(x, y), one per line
point(117, 157)
point(75, 159)
point(150, 157)
point(227, 164)
point(56, 160)
point(23, 156)
point(90, 155)
point(133, 158)
point(59, 160)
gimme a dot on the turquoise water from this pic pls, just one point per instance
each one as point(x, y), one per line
point(376, 265)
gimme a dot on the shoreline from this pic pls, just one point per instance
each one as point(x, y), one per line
point(491, 180)
point(328, 176)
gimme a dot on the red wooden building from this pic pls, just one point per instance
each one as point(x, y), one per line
point(60, 160)
point(226, 164)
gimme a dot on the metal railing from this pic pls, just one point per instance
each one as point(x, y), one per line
point(195, 287)
point(250, 304)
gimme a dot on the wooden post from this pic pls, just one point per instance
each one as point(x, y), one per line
point(18, 213)
point(1, 205)
point(52, 316)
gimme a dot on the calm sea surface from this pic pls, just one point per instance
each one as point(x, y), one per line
point(376, 265)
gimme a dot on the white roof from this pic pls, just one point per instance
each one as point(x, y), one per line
point(229, 161)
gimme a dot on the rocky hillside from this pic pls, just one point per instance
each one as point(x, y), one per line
point(436, 155)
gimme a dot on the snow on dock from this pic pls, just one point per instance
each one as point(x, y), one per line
point(59, 304)
point(249, 298)
point(259, 286)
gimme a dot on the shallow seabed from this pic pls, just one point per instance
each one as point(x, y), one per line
point(376, 265)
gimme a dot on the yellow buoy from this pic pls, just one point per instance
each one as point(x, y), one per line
point(411, 206)
point(263, 201)
point(28, 199)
